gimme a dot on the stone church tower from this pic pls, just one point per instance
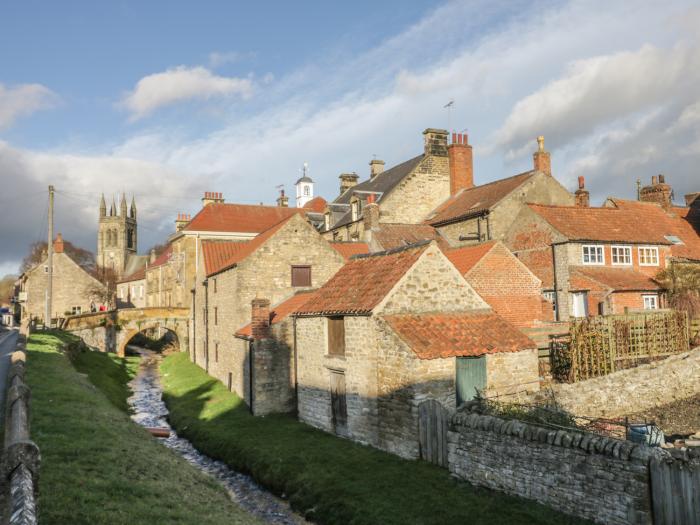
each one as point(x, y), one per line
point(116, 235)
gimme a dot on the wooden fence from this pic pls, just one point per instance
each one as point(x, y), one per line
point(601, 345)
point(675, 490)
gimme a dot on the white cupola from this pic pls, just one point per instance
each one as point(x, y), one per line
point(305, 188)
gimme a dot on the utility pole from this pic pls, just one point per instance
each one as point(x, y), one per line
point(49, 276)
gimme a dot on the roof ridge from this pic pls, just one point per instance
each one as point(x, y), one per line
point(529, 172)
point(392, 251)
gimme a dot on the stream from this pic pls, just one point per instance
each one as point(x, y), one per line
point(149, 410)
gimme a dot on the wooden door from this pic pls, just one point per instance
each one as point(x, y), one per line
point(339, 408)
point(432, 432)
point(471, 376)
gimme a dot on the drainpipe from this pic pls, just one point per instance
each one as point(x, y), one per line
point(556, 284)
point(488, 227)
point(250, 375)
point(206, 324)
point(193, 343)
point(296, 376)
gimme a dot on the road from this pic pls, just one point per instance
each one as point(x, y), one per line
point(7, 346)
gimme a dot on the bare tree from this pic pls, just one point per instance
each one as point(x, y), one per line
point(681, 281)
point(7, 288)
point(37, 252)
point(104, 292)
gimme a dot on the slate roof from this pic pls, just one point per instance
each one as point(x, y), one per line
point(348, 249)
point(280, 312)
point(244, 218)
point(220, 256)
point(462, 334)
point(617, 279)
point(466, 257)
point(391, 236)
point(135, 264)
point(473, 201)
point(362, 283)
point(380, 185)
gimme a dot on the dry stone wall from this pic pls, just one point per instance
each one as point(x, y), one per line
point(597, 478)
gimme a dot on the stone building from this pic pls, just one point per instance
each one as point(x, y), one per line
point(289, 257)
point(163, 279)
point(74, 289)
point(117, 238)
point(131, 290)
point(505, 283)
point(392, 330)
point(603, 260)
point(475, 214)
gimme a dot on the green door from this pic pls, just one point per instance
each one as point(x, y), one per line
point(471, 376)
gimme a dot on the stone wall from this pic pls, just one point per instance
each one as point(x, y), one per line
point(512, 375)
point(597, 478)
point(633, 390)
point(273, 371)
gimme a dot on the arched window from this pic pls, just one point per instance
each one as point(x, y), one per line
point(130, 238)
point(108, 239)
point(306, 190)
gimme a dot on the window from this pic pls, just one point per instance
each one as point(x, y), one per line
point(621, 255)
point(327, 221)
point(216, 315)
point(301, 275)
point(46, 268)
point(77, 310)
point(306, 191)
point(214, 284)
point(216, 352)
point(355, 209)
point(648, 256)
point(141, 291)
point(336, 336)
point(133, 290)
point(593, 254)
point(651, 302)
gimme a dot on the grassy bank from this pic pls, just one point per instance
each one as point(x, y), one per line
point(332, 480)
point(98, 467)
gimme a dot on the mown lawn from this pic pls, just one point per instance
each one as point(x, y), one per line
point(98, 467)
point(331, 480)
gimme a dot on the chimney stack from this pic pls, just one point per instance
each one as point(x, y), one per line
point(347, 181)
point(582, 196)
point(659, 192)
point(58, 244)
point(541, 158)
point(182, 221)
point(461, 163)
point(260, 319)
point(212, 197)
point(282, 200)
point(370, 215)
point(376, 167)
point(435, 142)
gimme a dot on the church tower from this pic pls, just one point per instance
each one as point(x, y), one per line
point(116, 235)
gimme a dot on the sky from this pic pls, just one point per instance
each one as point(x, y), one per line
point(166, 100)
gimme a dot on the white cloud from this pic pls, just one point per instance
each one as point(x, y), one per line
point(218, 59)
point(23, 100)
point(180, 84)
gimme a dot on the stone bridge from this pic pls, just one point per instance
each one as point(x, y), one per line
point(111, 331)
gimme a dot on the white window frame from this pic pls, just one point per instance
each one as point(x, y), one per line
point(596, 247)
point(626, 249)
point(653, 301)
point(141, 291)
point(355, 210)
point(327, 221)
point(653, 250)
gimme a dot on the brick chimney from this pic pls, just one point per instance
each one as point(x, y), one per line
point(658, 192)
point(435, 141)
point(691, 198)
point(212, 197)
point(461, 163)
point(182, 220)
point(583, 198)
point(370, 213)
point(283, 200)
point(541, 158)
point(260, 319)
point(376, 167)
point(58, 244)
point(347, 181)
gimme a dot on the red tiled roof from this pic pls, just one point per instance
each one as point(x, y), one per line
point(476, 199)
point(362, 283)
point(281, 311)
point(391, 236)
point(163, 258)
point(433, 336)
point(465, 258)
point(235, 251)
point(316, 205)
point(618, 279)
point(244, 218)
point(348, 249)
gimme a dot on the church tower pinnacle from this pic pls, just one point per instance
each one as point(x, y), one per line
point(103, 206)
point(116, 235)
point(122, 205)
point(133, 207)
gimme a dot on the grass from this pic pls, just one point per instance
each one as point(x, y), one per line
point(330, 480)
point(98, 467)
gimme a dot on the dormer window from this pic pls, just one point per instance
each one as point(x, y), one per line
point(621, 255)
point(355, 208)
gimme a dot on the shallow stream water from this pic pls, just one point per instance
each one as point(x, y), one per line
point(149, 411)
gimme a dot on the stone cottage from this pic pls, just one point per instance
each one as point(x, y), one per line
point(505, 283)
point(131, 290)
point(289, 257)
point(74, 288)
point(392, 330)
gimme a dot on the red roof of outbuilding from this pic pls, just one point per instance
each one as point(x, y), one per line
point(362, 283)
point(317, 205)
point(348, 249)
point(618, 279)
point(243, 218)
point(465, 258)
point(391, 236)
point(462, 334)
point(281, 311)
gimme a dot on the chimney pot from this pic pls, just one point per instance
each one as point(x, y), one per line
point(58, 244)
point(581, 182)
point(654, 180)
point(662, 179)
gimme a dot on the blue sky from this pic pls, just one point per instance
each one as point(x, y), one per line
point(166, 100)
